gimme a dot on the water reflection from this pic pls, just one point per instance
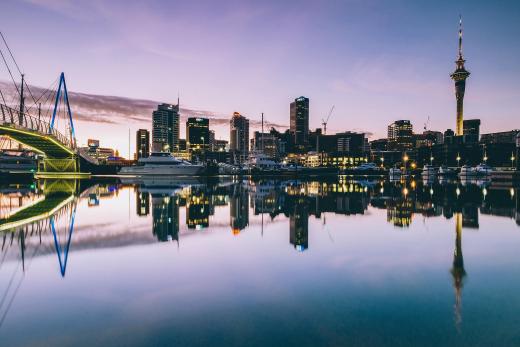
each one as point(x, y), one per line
point(39, 219)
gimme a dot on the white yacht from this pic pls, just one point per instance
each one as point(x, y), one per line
point(395, 173)
point(446, 171)
point(483, 170)
point(429, 172)
point(467, 172)
point(262, 162)
point(162, 163)
point(367, 167)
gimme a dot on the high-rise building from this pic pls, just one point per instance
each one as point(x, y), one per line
point(471, 130)
point(142, 144)
point(165, 132)
point(197, 133)
point(459, 76)
point(400, 135)
point(239, 138)
point(299, 122)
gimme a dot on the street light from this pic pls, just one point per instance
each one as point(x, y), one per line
point(382, 161)
point(405, 159)
point(431, 160)
point(458, 160)
point(512, 160)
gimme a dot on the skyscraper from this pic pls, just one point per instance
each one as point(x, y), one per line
point(239, 138)
point(142, 144)
point(299, 122)
point(471, 130)
point(459, 76)
point(197, 133)
point(165, 130)
point(400, 135)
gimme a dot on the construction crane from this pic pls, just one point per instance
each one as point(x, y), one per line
point(324, 122)
point(427, 124)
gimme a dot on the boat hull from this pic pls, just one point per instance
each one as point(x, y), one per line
point(163, 170)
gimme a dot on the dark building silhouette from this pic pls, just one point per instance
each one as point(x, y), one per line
point(165, 132)
point(197, 134)
point(457, 271)
point(500, 137)
point(142, 144)
point(459, 76)
point(299, 122)
point(471, 130)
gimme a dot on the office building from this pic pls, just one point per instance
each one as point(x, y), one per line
point(239, 138)
point(400, 135)
point(165, 131)
point(299, 122)
point(471, 130)
point(197, 134)
point(142, 144)
point(267, 143)
point(500, 137)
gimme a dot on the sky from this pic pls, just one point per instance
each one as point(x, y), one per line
point(377, 61)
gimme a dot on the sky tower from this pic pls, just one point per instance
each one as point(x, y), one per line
point(459, 76)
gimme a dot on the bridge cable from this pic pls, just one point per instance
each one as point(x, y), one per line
point(10, 73)
point(16, 64)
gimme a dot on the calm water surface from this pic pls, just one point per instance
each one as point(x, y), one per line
point(240, 263)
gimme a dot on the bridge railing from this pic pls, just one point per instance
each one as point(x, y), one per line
point(12, 117)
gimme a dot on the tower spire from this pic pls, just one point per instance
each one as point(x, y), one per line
point(460, 37)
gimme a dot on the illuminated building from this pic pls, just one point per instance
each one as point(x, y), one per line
point(459, 76)
point(142, 144)
point(197, 134)
point(165, 128)
point(239, 138)
point(400, 135)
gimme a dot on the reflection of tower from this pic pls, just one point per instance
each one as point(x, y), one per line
point(457, 270)
point(165, 214)
point(142, 200)
point(197, 210)
point(239, 209)
point(459, 76)
point(299, 226)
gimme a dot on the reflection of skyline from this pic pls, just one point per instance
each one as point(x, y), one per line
point(165, 216)
point(238, 208)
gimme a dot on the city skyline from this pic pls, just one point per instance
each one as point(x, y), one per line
point(404, 78)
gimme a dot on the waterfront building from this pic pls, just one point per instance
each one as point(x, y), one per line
point(299, 122)
point(142, 144)
point(500, 137)
point(102, 154)
point(197, 134)
point(267, 143)
point(400, 135)
point(239, 138)
point(165, 128)
point(459, 76)
point(471, 130)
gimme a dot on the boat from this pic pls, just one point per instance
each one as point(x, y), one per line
point(467, 172)
point(483, 170)
point(367, 167)
point(446, 171)
point(429, 172)
point(395, 173)
point(262, 162)
point(163, 163)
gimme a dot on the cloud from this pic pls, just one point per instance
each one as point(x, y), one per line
point(106, 109)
